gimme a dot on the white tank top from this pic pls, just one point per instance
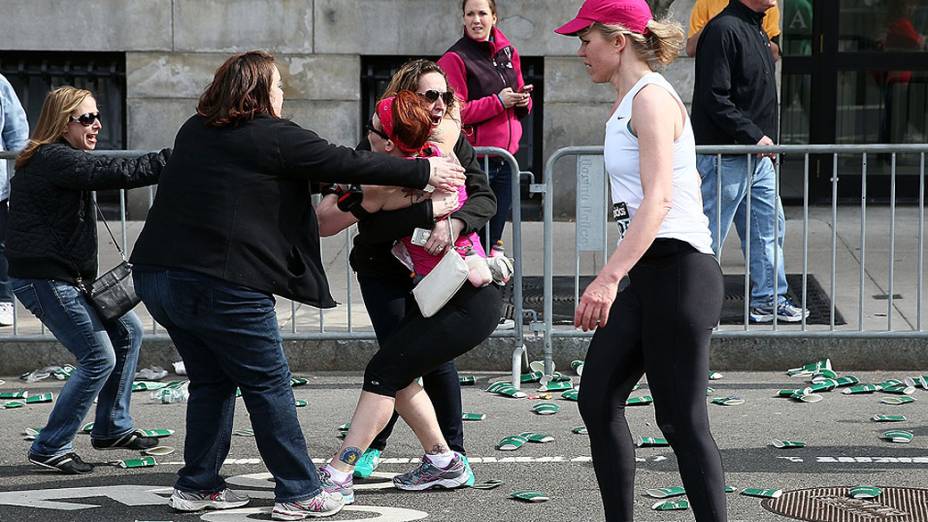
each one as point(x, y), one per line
point(686, 220)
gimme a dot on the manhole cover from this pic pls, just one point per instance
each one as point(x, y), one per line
point(834, 505)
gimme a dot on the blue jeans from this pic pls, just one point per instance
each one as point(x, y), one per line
point(227, 336)
point(766, 209)
point(107, 353)
point(6, 296)
point(500, 176)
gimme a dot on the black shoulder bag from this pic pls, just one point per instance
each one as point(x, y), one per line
point(113, 293)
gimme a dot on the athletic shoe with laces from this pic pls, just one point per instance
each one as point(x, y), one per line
point(344, 488)
point(135, 440)
point(427, 475)
point(501, 267)
point(324, 504)
point(470, 472)
point(787, 312)
point(69, 463)
point(367, 464)
point(192, 501)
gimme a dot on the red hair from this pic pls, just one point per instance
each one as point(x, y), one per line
point(406, 119)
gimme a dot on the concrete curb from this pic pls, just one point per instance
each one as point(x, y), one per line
point(727, 354)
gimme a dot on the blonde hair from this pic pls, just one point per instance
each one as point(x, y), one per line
point(56, 113)
point(658, 48)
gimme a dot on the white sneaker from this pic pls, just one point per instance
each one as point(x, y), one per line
point(222, 499)
point(501, 267)
point(6, 314)
point(324, 504)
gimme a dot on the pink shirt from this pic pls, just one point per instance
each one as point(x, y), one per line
point(423, 262)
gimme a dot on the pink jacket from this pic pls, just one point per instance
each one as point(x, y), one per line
point(477, 71)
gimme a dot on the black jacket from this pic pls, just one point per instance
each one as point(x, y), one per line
point(52, 230)
point(376, 234)
point(234, 203)
point(735, 94)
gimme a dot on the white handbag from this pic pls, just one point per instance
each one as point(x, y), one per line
point(439, 286)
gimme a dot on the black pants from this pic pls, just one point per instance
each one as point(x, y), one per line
point(660, 326)
point(6, 294)
point(387, 300)
point(419, 344)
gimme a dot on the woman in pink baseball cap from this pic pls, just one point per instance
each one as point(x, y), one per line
point(661, 322)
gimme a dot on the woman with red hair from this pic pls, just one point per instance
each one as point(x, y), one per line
point(401, 127)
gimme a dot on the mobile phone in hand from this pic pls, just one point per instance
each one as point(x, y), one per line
point(527, 88)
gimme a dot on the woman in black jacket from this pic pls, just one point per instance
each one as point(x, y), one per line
point(52, 251)
point(232, 225)
point(386, 284)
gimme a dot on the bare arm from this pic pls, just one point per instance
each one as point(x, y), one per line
point(656, 117)
point(331, 219)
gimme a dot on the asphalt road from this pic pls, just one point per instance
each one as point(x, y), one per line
point(844, 448)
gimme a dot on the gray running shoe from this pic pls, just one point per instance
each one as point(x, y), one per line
point(324, 504)
point(786, 312)
point(428, 476)
point(223, 499)
point(501, 267)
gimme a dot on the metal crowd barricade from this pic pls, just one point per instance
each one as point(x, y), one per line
point(291, 327)
point(591, 236)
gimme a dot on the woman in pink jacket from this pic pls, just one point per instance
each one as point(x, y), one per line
point(484, 69)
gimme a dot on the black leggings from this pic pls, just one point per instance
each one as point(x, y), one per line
point(387, 299)
point(660, 326)
point(419, 345)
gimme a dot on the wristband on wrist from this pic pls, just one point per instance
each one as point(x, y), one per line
point(500, 98)
point(351, 198)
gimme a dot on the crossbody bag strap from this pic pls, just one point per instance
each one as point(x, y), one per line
point(105, 224)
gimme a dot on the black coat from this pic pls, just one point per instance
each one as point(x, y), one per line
point(52, 230)
point(371, 253)
point(234, 203)
point(735, 93)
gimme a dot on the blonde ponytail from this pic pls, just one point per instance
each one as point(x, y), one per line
point(665, 39)
point(661, 46)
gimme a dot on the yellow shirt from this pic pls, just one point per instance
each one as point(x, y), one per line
point(705, 10)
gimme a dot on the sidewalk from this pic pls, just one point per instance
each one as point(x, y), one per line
point(298, 320)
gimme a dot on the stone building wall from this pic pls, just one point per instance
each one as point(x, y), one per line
point(173, 46)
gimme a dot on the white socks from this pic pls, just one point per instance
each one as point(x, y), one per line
point(337, 476)
point(441, 460)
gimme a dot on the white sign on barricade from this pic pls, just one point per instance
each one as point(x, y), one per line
point(591, 203)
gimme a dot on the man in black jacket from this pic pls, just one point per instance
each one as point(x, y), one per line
point(735, 102)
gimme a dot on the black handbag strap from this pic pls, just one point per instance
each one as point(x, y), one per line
point(105, 224)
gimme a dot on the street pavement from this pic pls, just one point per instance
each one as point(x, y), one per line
point(844, 448)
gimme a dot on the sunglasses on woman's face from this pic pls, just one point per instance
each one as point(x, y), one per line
point(370, 128)
point(86, 119)
point(432, 96)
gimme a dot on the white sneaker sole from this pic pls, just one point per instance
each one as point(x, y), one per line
point(200, 505)
point(280, 514)
point(443, 483)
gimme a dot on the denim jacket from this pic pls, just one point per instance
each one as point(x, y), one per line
point(14, 130)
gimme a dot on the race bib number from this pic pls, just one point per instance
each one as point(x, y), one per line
point(621, 217)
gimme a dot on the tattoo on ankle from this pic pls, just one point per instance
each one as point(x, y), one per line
point(438, 449)
point(350, 456)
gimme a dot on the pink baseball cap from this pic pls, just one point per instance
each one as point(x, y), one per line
point(634, 15)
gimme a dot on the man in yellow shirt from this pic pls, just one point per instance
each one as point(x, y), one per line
point(705, 10)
